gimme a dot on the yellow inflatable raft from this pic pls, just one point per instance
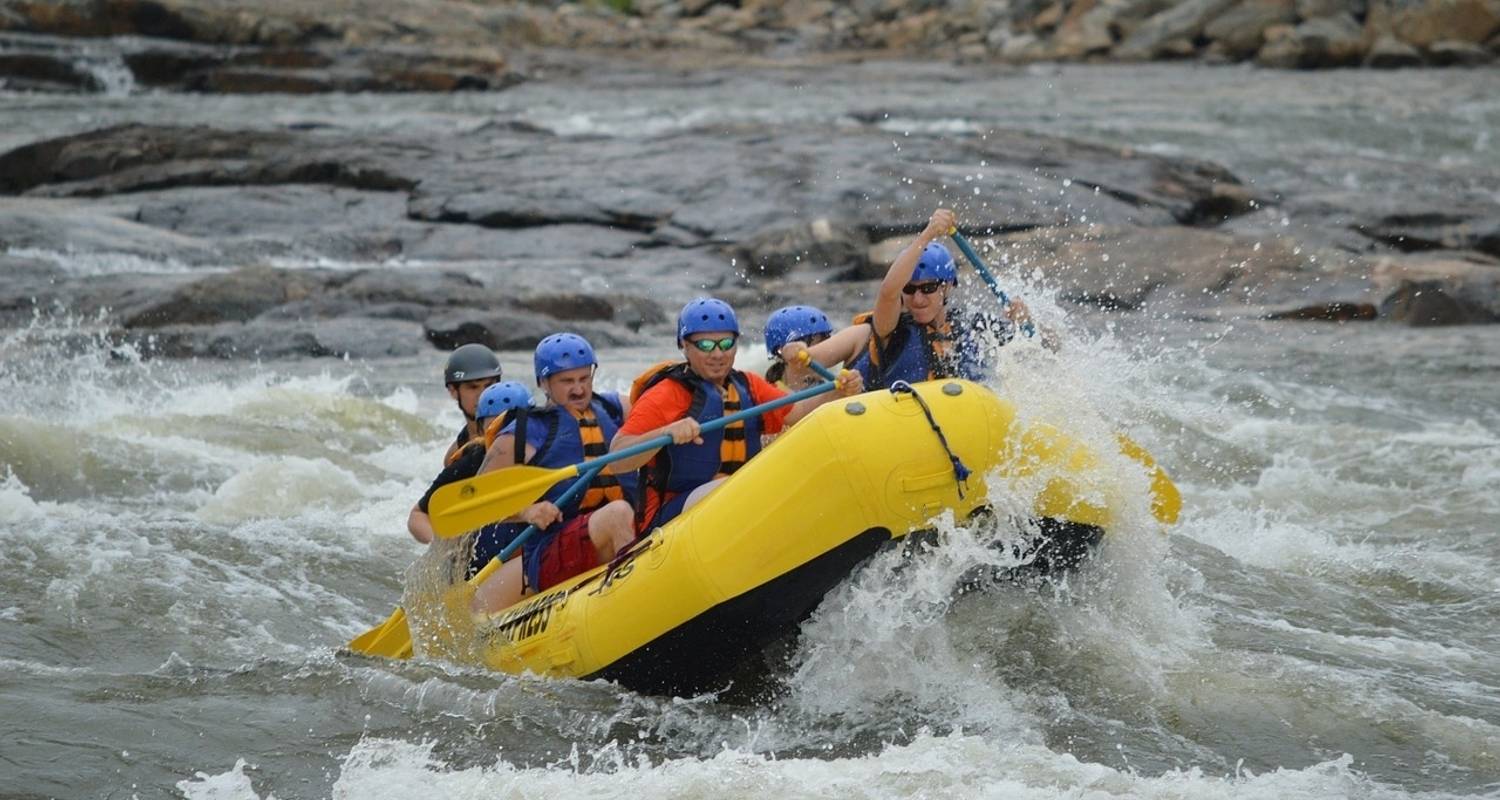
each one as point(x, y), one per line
point(690, 603)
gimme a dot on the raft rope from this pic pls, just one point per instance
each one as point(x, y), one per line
point(960, 472)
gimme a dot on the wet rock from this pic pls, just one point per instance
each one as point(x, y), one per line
point(1127, 269)
point(1428, 22)
point(43, 72)
point(1429, 304)
point(823, 246)
point(316, 70)
point(1240, 31)
point(231, 297)
point(1449, 53)
point(131, 158)
point(100, 237)
point(509, 330)
point(569, 306)
point(354, 337)
point(430, 288)
point(1336, 311)
point(1315, 44)
point(1157, 35)
point(1388, 52)
point(1471, 278)
point(1475, 227)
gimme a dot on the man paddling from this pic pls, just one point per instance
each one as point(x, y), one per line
point(470, 370)
point(496, 403)
point(576, 424)
point(674, 399)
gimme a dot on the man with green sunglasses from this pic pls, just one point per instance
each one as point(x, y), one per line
point(676, 398)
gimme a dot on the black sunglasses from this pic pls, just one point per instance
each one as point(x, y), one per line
point(707, 345)
point(924, 288)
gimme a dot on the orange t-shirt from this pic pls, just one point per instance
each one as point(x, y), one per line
point(669, 401)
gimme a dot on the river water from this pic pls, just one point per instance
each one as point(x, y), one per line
point(188, 545)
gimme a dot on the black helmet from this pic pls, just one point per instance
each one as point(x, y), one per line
point(471, 362)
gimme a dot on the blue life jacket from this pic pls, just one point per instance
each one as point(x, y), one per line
point(553, 432)
point(680, 468)
point(911, 354)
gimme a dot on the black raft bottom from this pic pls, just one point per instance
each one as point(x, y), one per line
point(704, 653)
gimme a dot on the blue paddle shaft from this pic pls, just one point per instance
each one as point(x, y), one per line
point(567, 497)
point(713, 425)
point(590, 469)
point(984, 272)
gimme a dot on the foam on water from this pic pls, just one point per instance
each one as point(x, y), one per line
point(938, 766)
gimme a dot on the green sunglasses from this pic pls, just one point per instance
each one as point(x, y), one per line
point(707, 345)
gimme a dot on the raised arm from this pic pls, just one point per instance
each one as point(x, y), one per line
point(888, 299)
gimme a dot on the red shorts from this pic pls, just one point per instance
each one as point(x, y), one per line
point(570, 553)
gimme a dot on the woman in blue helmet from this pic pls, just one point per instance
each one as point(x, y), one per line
point(913, 334)
point(576, 424)
point(796, 323)
point(498, 400)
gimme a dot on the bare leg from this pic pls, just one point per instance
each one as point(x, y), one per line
point(611, 528)
point(700, 493)
point(502, 589)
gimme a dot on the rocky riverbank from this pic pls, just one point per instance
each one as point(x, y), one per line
point(448, 45)
point(312, 240)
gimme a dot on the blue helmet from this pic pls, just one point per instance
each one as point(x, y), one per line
point(936, 264)
point(561, 352)
point(793, 323)
point(502, 397)
point(704, 315)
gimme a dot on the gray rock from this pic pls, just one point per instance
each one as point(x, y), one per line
point(1316, 44)
point(1336, 311)
point(1388, 52)
point(1429, 304)
point(1240, 31)
point(353, 337)
point(1314, 9)
point(568, 306)
point(509, 330)
point(1449, 53)
point(236, 296)
point(823, 246)
point(44, 72)
point(424, 287)
point(1476, 227)
point(1129, 268)
point(1184, 21)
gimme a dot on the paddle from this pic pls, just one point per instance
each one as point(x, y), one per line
point(392, 638)
point(1166, 501)
point(465, 505)
point(984, 272)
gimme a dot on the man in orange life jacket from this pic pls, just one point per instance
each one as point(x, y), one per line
point(576, 424)
point(705, 387)
point(470, 370)
point(912, 335)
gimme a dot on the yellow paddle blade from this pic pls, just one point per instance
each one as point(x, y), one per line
point(1166, 501)
point(389, 639)
point(392, 638)
point(468, 505)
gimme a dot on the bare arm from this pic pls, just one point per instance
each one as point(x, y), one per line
point(842, 347)
point(502, 453)
point(888, 299)
point(682, 431)
point(419, 525)
point(848, 383)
